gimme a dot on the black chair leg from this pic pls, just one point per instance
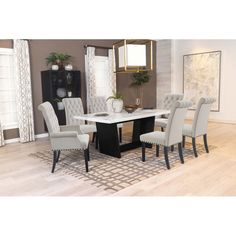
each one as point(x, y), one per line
point(194, 147)
point(166, 157)
point(54, 161)
point(143, 152)
point(205, 143)
point(96, 140)
point(157, 150)
point(86, 157)
point(162, 129)
point(58, 155)
point(172, 148)
point(88, 153)
point(181, 153)
point(120, 134)
point(183, 141)
point(94, 136)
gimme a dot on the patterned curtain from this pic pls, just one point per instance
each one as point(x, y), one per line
point(1, 136)
point(23, 91)
point(90, 75)
point(112, 75)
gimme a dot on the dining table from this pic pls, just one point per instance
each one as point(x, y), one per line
point(106, 123)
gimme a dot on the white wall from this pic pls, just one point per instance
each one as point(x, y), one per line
point(228, 72)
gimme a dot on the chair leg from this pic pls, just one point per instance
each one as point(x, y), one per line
point(162, 129)
point(183, 142)
point(205, 143)
point(88, 153)
point(94, 136)
point(143, 152)
point(181, 153)
point(172, 148)
point(58, 155)
point(120, 134)
point(194, 147)
point(166, 157)
point(86, 157)
point(54, 161)
point(96, 140)
point(157, 150)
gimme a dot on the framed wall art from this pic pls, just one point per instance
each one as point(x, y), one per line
point(201, 77)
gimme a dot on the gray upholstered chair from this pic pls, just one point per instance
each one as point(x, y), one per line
point(74, 107)
point(172, 135)
point(199, 125)
point(63, 137)
point(168, 101)
point(99, 104)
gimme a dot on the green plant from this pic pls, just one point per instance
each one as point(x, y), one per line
point(58, 58)
point(116, 95)
point(140, 78)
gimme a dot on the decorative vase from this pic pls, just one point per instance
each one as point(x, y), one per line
point(69, 94)
point(60, 106)
point(117, 105)
point(55, 67)
point(69, 67)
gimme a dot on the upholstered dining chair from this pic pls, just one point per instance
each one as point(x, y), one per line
point(63, 137)
point(74, 107)
point(168, 101)
point(172, 134)
point(199, 125)
point(99, 104)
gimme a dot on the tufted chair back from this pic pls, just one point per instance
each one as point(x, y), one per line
point(200, 120)
point(50, 117)
point(174, 128)
point(170, 99)
point(98, 104)
point(73, 107)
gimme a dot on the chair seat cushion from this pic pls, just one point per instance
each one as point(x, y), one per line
point(161, 122)
point(88, 128)
point(187, 130)
point(156, 137)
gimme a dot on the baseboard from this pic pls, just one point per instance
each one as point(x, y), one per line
point(44, 135)
point(223, 121)
point(16, 140)
point(13, 140)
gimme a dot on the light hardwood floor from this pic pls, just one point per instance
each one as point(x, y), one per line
point(212, 174)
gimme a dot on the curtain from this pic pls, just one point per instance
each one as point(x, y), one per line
point(90, 75)
point(1, 136)
point(23, 91)
point(112, 75)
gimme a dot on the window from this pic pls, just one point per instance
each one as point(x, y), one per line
point(102, 76)
point(8, 114)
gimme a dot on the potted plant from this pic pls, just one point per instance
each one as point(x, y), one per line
point(117, 102)
point(59, 59)
point(139, 79)
point(60, 104)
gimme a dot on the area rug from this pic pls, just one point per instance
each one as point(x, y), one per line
point(113, 174)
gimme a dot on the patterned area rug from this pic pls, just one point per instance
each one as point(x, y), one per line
point(113, 174)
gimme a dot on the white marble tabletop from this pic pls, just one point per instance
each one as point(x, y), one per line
point(122, 116)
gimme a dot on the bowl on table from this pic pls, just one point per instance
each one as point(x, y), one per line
point(130, 108)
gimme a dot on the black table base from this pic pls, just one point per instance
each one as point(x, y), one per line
point(109, 139)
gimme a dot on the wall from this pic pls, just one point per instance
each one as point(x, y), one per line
point(228, 72)
point(164, 69)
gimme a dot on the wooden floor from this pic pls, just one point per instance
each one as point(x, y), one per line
point(212, 174)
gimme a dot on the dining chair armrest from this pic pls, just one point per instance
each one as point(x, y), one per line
point(64, 134)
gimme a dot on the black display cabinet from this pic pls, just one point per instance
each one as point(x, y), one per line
point(57, 85)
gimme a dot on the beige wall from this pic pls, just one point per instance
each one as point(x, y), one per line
point(40, 49)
